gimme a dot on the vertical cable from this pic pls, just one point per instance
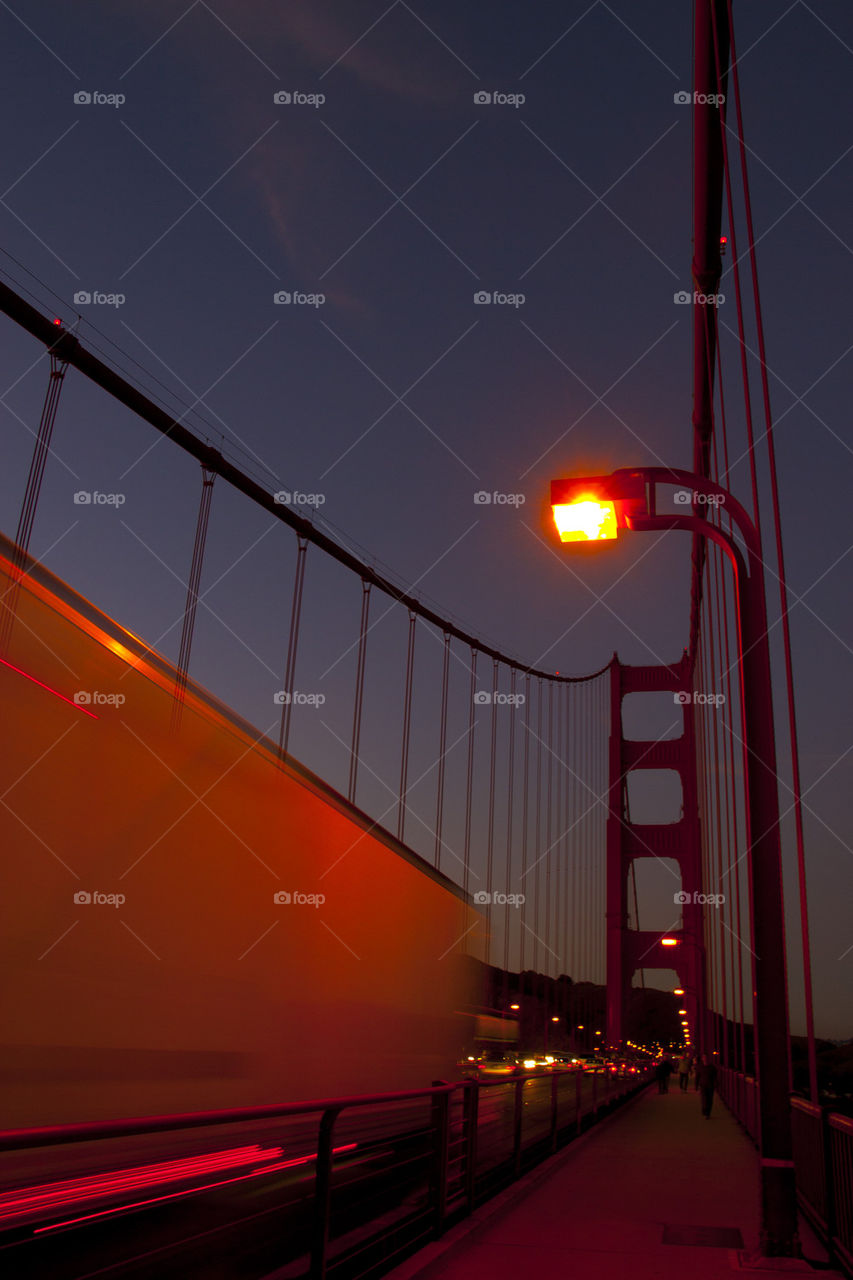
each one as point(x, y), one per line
point(31, 495)
point(442, 749)
point(510, 813)
point(783, 588)
point(407, 725)
point(525, 818)
point(538, 862)
point(292, 642)
point(193, 584)
point(472, 706)
point(359, 690)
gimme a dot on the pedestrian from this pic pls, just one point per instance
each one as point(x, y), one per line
point(663, 1071)
point(706, 1078)
point(683, 1071)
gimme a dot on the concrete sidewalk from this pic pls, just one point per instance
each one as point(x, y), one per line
point(608, 1206)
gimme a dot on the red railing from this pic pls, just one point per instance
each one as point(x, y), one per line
point(823, 1161)
point(353, 1185)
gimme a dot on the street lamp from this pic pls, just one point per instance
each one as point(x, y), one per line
point(596, 508)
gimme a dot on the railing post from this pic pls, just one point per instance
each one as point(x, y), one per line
point(516, 1144)
point(555, 1080)
point(322, 1194)
point(578, 1083)
point(440, 1107)
point(472, 1108)
point(828, 1182)
point(595, 1095)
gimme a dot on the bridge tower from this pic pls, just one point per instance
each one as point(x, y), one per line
point(631, 949)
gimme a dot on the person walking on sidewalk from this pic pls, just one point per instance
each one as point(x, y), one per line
point(706, 1078)
point(683, 1071)
point(662, 1073)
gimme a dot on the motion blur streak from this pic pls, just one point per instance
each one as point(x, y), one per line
point(190, 1191)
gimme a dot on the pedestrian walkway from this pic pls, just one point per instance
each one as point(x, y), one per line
point(655, 1191)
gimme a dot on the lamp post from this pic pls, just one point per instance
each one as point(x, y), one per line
point(593, 509)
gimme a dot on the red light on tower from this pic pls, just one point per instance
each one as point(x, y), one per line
point(724, 240)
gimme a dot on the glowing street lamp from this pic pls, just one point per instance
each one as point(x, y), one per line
point(632, 494)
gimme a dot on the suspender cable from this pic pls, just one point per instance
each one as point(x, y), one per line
point(538, 863)
point(292, 642)
point(31, 493)
point(730, 705)
point(442, 750)
point(207, 479)
point(469, 786)
point(525, 816)
point(783, 591)
point(549, 853)
point(490, 840)
point(359, 690)
point(510, 814)
point(407, 725)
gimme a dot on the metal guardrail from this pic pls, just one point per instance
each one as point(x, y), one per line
point(425, 1160)
point(823, 1162)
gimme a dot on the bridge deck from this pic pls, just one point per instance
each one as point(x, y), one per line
point(601, 1209)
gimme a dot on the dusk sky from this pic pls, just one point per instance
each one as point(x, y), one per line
point(147, 163)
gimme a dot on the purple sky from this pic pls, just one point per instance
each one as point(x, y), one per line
point(197, 198)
